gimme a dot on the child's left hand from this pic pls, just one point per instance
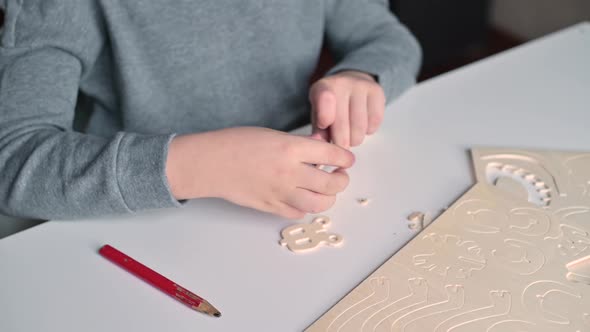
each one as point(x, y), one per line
point(345, 107)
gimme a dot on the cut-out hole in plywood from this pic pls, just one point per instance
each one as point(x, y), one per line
point(493, 261)
point(527, 167)
point(519, 182)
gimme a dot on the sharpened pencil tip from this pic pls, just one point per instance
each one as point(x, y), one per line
point(207, 309)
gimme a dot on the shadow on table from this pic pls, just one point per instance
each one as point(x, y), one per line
point(11, 225)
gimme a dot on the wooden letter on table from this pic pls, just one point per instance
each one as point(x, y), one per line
point(512, 254)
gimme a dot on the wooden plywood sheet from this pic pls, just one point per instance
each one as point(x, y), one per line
point(511, 254)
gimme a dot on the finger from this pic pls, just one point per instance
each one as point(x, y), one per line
point(358, 118)
point(287, 211)
point(309, 201)
point(318, 136)
point(322, 182)
point(323, 105)
point(340, 130)
point(375, 110)
point(279, 208)
point(323, 153)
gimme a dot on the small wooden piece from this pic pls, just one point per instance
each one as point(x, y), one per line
point(305, 237)
point(416, 216)
point(416, 220)
point(364, 201)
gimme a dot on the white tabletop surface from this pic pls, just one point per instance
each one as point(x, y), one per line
point(52, 279)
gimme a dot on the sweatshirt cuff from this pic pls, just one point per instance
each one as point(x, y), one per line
point(394, 79)
point(141, 171)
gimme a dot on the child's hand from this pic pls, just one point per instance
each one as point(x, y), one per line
point(346, 106)
point(259, 168)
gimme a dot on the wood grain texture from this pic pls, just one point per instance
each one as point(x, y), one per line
point(493, 261)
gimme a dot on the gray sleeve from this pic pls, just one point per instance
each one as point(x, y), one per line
point(47, 170)
point(363, 35)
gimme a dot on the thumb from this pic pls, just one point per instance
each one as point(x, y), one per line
point(323, 106)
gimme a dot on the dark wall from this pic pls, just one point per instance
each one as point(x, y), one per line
point(445, 28)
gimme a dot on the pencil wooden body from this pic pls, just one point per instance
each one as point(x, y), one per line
point(157, 280)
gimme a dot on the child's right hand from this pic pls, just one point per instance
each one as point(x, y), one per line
point(258, 168)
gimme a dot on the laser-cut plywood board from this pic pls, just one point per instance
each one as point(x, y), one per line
point(510, 255)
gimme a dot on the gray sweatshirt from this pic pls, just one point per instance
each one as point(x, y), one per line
point(143, 71)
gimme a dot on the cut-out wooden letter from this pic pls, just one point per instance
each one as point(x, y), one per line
point(305, 237)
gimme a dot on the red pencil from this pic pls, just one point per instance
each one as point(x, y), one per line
point(155, 279)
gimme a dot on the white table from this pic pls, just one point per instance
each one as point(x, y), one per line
point(52, 279)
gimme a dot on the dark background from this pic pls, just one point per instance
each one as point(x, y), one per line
point(452, 32)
